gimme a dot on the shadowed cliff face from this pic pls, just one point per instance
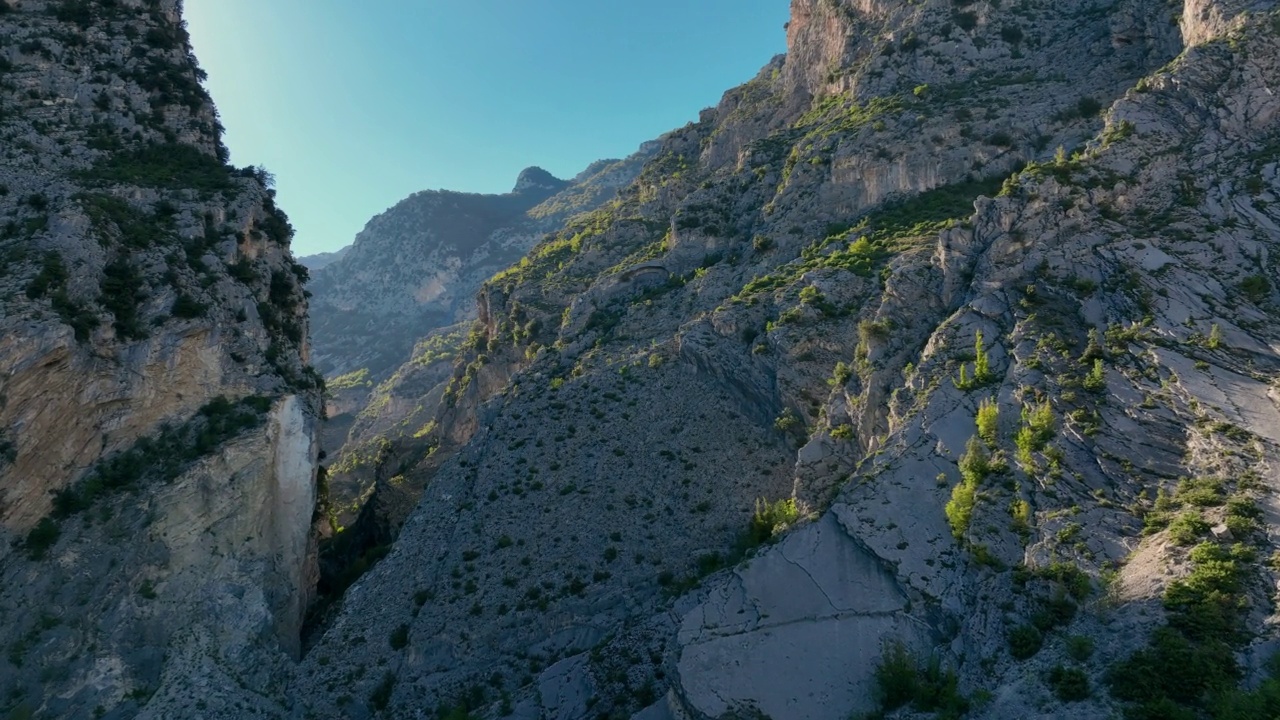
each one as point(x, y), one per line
point(157, 414)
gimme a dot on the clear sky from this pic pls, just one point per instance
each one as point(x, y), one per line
point(356, 105)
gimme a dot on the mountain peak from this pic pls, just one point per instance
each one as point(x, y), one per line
point(535, 178)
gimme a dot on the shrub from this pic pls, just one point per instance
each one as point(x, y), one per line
point(927, 687)
point(165, 455)
point(122, 293)
point(399, 639)
point(896, 677)
point(988, 421)
point(1192, 657)
point(52, 276)
point(1088, 107)
point(1256, 288)
point(188, 307)
point(1011, 34)
point(1069, 684)
point(982, 374)
point(381, 695)
point(841, 375)
point(1025, 641)
point(1096, 380)
point(42, 537)
point(959, 510)
point(1080, 647)
point(770, 518)
point(1187, 528)
point(974, 467)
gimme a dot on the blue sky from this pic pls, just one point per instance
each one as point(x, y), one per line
point(354, 106)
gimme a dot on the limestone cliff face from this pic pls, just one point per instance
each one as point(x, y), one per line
point(157, 414)
point(780, 308)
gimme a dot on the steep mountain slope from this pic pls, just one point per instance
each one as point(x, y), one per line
point(416, 267)
point(392, 334)
point(157, 415)
point(1019, 392)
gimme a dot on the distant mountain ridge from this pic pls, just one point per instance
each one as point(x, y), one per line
point(417, 266)
point(324, 259)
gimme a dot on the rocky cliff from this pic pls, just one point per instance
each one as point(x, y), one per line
point(157, 412)
point(931, 372)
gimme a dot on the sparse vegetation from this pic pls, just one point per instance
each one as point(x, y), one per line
point(926, 687)
point(974, 468)
point(165, 455)
point(771, 518)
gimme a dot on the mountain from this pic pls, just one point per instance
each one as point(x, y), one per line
point(388, 338)
point(934, 367)
point(158, 417)
point(417, 266)
point(319, 260)
point(932, 373)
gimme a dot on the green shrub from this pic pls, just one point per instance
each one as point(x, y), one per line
point(399, 639)
point(1088, 107)
point(1025, 641)
point(1187, 528)
point(1079, 647)
point(982, 374)
point(974, 468)
point(122, 293)
point(988, 421)
point(959, 509)
point(1256, 287)
point(42, 537)
point(1069, 684)
point(896, 677)
point(52, 277)
point(841, 375)
point(1096, 380)
point(928, 687)
point(1191, 660)
point(185, 306)
point(771, 518)
point(112, 217)
point(381, 695)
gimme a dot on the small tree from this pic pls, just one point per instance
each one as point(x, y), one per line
point(981, 363)
point(988, 421)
